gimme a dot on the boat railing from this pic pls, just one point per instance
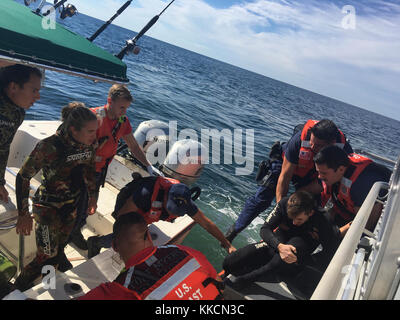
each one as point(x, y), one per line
point(383, 268)
point(374, 156)
point(6, 225)
point(361, 267)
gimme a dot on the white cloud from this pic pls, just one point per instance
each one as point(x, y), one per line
point(302, 43)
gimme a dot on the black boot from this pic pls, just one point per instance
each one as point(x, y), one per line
point(6, 288)
point(63, 263)
point(94, 246)
point(77, 239)
point(237, 284)
point(24, 282)
point(231, 234)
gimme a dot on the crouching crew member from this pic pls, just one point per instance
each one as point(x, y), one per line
point(157, 198)
point(347, 180)
point(171, 272)
point(67, 160)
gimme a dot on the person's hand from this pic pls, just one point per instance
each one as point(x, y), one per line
point(153, 171)
point(3, 194)
point(231, 249)
point(228, 246)
point(343, 230)
point(287, 253)
point(92, 206)
point(24, 224)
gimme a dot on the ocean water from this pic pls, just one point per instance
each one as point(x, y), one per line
point(173, 84)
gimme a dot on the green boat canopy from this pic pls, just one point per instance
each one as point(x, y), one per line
point(23, 39)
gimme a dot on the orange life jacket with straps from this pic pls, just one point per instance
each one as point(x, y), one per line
point(101, 115)
point(108, 135)
point(157, 200)
point(306, 155)
point(170, 273)
point(343, 205)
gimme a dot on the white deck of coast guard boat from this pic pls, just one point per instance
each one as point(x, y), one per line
point(104, 267)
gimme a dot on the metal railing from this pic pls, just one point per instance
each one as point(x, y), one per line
point(335, 278)
point(4, 225)
point(383, 262)
point(376, 157)
point(350, 275)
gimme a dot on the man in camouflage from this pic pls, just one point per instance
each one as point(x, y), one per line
point(67, 166)
point(19, 89)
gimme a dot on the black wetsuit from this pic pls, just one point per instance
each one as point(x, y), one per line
point(259, 259)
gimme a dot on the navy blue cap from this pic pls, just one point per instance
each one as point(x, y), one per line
point(179, 201)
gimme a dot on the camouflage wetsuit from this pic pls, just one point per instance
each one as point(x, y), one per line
point(66, 166)
point(11, 117)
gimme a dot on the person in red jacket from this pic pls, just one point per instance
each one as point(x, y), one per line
point(113, 125)
point(289, 162)
point(172, 272)
point(157, 198)
point(346, 181)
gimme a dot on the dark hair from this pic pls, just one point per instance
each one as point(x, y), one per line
point(76, 115)
point(18, 73)
point(119, 91)
point(300, 201)
point(325, 130)
point(333, 157)
point(125, 221)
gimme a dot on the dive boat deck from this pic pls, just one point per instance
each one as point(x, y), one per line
point(87, 272)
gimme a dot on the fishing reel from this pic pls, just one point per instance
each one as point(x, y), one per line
point(68, 11)
point(132, 47)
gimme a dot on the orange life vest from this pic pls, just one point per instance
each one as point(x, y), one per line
point(101, 115)
point(306, 155)
point(170, 273)
point(341, 198)
point(162, 183)
point(108, 136)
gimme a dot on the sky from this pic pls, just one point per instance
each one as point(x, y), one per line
point(343, 49)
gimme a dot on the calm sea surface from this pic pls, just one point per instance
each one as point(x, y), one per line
point(171, 83)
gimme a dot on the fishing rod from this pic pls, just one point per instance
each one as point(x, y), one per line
point(39, 7)
point(131, 44)
point(58, 4)
point(104, 26)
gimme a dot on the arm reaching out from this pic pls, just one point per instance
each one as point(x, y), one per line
point(212, 229)
point(286, 175)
